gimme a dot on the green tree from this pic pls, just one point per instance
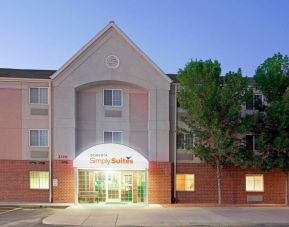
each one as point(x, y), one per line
point(272, 78)
point(213, 106)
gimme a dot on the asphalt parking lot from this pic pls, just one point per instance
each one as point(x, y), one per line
point(24, 217)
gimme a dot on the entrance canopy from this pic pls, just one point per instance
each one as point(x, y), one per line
point(111, 157)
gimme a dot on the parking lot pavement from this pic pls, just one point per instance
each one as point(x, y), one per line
point(24, 217)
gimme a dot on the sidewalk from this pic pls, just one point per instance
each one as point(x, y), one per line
point(35, 205)
point(155, 215)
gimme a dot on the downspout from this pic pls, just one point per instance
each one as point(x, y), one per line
point(175, 143)
point(50, 143)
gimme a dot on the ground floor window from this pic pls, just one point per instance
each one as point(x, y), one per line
point(254, 183)
point(39, 179)
point(185, 182)
point(111, 186)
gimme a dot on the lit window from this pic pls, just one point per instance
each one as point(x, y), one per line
point(39, 138)
point(254, 183)
point(112, 97)
point(185, 141)
point(39, 95)
point(112, 137)
point(39, 179)
point(185, 182)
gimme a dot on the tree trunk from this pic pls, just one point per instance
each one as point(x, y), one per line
point(219, 184)
point(286, 189)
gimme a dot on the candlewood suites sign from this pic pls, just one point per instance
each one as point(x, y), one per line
point(111, 156)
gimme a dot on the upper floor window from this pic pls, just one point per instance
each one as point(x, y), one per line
point(38, 95)
point(185, 141)
point(257, 103)
point(112, 137)
point(251, 143)
point(112, 97)
point(38, 138)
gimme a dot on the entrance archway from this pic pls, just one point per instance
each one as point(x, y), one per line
point(111, 173)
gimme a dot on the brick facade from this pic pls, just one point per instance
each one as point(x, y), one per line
point(233, 185)
point(160, 178)
point(14, 178)
point(63, 172)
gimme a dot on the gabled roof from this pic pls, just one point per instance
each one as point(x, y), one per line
point(26, 73)
point(90, 43)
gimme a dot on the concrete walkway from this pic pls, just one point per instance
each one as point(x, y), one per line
point(158, 216)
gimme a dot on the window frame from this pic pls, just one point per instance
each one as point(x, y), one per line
point(29, 142)
point(38, 103)
point(254, 141)
point(112, 136)
point(253, 103)
point(113, 89)
point(254, 190)
point(186, 174)
point(39, 171)
point(185, 144)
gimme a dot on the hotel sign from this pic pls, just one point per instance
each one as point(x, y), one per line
point(111, 156)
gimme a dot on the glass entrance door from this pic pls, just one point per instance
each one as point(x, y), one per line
point(113, 186)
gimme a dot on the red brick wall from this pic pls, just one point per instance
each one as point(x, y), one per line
point(63, 172)
point(160, 182)
point(233, 185)
point(14, 181)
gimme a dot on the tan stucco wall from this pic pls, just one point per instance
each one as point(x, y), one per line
point(133, 69)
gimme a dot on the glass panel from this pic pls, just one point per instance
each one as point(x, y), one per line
point(189, 182)
point(43, 95)
point(117, 97)
point(99, 186)
point(107, 99)
point(113, 186)
point(126, 187)
point(258, 183)
point(180, 141)
point(107, 137)
point(43, 136)
point(34, 95)
point(249, 183)
point(249, 142)
point(180, 183)
point(141, 186)
point(117, 137)
point(34, 138)
point(258, 102)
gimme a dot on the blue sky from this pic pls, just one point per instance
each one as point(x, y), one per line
point(239, 33)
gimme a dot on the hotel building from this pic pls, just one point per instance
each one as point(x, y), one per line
point(102, 129)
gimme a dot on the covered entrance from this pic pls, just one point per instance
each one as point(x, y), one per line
point(110, 173)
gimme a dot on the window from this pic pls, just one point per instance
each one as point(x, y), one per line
point(39, 180)
point(185, 141)
point(112, 137)
point(251, 144)
point(112, 97)
point(254, 183)
point(185, 182)
point(39, 138)
point(38, 95)
point(257, 103)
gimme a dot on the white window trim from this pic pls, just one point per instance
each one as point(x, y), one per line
point(45, 104)
point(109, 89)
point(185, 137)
point(38, 129)
point(112, 135)
point(254, 141)
point(253, 175)
point(262, 96)
point(38, 188)
point(185, 182)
